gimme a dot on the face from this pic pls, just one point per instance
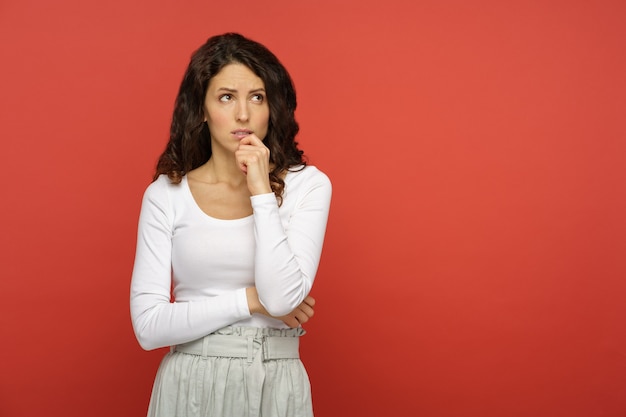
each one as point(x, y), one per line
point(235, 106)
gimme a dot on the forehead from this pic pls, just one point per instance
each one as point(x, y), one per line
point(236, 77)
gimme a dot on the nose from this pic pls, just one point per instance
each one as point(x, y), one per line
point(242, 111)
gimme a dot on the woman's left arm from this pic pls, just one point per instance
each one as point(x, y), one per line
point(288, 255)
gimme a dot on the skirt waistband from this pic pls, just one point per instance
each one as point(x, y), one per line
point(234, 346)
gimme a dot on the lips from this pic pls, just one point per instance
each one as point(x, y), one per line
point(241, 133)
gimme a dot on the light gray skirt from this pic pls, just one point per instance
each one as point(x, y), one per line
point(234, 372)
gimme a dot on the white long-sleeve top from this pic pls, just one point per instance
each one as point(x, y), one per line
point(191, 270)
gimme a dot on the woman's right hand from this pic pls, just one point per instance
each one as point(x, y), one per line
point(301, 314)
point(298, 316)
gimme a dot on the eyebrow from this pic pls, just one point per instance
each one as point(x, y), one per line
point(232, 90)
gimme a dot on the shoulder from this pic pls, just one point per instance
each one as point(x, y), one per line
point(162, 184)
point(161, 190)
point(309, 175)
point(306, 184)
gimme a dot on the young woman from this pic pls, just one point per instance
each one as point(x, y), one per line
point(230, 237)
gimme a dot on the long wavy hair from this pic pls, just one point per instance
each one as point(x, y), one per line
point(189, 145)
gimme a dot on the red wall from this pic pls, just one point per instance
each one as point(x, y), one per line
point(474, 262)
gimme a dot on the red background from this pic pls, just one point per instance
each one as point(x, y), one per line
point(474, 262)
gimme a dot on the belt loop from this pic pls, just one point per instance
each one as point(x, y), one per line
point(250, 349)
point(265, 347)
point(205, 346)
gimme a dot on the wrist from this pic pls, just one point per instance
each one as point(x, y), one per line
point(262, 189)
point(254, 305)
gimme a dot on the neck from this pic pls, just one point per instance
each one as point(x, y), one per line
point(224, 170)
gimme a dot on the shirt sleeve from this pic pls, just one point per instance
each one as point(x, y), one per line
point(157, 321)
point(287, 257)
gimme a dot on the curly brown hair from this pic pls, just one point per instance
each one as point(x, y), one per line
point(189, 145)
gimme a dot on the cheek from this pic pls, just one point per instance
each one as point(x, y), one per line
point(265, 123)
point(265, 117)
point(215, 119)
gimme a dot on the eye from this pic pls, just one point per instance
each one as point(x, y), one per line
point(225, 97)
point(258, 98)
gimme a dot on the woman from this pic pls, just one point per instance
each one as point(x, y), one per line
point(230, 237)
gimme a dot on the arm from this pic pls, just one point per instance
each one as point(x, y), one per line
point(156, 320)
point(295, 318)
point(288, 257)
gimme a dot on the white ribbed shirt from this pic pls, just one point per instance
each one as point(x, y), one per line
point(191, 270)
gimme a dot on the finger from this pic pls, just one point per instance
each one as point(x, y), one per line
point(301, 316)
point(251, 156)
point(251, 139)
point(253, 148)
point(310, 300)
point(291, 321)
point(246, 140)
point(306, 309)
point(243, 165)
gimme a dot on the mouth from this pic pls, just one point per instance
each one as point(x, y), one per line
point(241, 133)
